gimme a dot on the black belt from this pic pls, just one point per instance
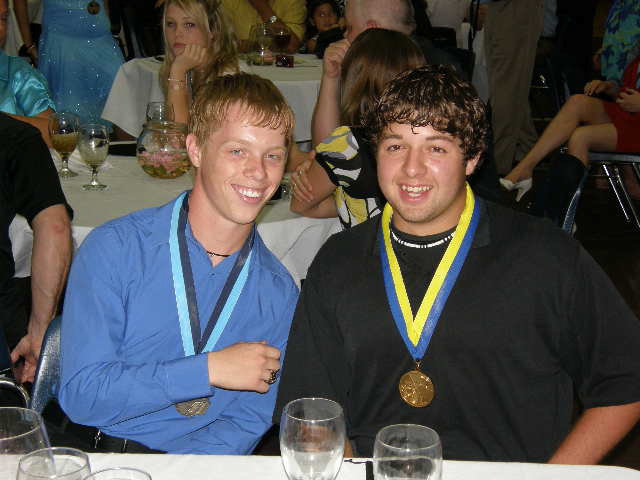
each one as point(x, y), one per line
point(101, 442)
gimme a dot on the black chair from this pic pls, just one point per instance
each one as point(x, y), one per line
point(47, 378)
point(6, 380)
point(610, 162)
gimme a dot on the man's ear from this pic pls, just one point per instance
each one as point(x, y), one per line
point(472, 164)
point(193, 150)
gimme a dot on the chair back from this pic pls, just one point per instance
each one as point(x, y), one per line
point(47, 378)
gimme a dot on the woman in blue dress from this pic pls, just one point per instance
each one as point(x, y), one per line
point(78, 55)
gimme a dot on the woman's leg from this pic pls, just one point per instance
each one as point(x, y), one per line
point(579, 109)
point(599, 138)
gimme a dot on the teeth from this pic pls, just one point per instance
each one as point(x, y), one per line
point(249, 192)
point(416, 189)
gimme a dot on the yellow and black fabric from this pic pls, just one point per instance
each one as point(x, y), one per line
point(349, 161)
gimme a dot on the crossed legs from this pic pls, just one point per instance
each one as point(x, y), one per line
point(583, 122)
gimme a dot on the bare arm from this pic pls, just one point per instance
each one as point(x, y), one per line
point(312, 192)
point(326, 114)
point(192, 57)
point(22, 16)
point(49, 267)
point(595, 433)
point(40, 121)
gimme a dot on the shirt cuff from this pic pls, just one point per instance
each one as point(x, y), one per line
point(188, 378)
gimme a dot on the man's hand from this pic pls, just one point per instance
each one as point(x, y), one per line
point(244, 366)
point(193, 56)
point(333, 57)
point(629, 100)
point(29, 349)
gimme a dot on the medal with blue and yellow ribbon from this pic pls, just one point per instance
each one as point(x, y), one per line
point(416, 388)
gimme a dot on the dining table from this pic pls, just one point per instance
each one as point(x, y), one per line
point(137, 83)
point(292, 238)
point(221, 467)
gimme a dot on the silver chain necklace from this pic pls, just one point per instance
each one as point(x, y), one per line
point(422, 245)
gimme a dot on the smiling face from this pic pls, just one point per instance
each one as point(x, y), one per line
point(324, 17)
point(422, 173)
point(181, 29)
point(239, 167)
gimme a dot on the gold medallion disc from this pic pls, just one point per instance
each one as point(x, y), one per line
point(416, 389)
point(93, 7)
point(194, 407)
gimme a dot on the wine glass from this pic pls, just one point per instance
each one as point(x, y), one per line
point(407, 452)
point(260, 38)
point(21, 431)
point(281, 37)
point(94, 147)
point(119, 473)
point(57, 463)
point(312, 435)
point(63, 129)
point(159, 112)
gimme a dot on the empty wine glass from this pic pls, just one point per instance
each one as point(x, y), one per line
point(63, 129)
point(21, 431)
point(159, 112)
point(57, 463)
point(93, 144)
point(119, 473)
point(406, 452)
point(312, 435)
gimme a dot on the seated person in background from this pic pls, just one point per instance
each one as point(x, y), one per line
point(199, 46)
point(323, 28)
point(243, 14)
point(146, 366)
point(587, 123)
point(24, 93)
point(494, 373)
point(341, 181)
point(360, 15)
point(29, 186)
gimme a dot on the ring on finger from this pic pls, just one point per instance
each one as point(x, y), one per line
point(273, 377)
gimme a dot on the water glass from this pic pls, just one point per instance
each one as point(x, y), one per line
point(406, 452)
point(63, 130)
point(57, 463)
point(119, 473)
point(312, 436)
point(159, 112)
point(93, 145)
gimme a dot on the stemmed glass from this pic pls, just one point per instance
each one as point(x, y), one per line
point(63, 129)
point(119, 473)
point(21, 431)
point(312, 435)
point(57, 463)
point(159, 112)
point(281, 37)
point(261, 37)
point(94, 147)
point(407, 452)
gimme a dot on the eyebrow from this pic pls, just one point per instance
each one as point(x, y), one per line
point(393, 136)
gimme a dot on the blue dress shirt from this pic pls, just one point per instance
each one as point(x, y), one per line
point(23, 89)
point(123, 363)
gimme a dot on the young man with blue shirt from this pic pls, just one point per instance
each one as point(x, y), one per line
point(176, 317)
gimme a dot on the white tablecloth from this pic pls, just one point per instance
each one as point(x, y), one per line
point(209, 467)
point(137, 84)
point(293, 239)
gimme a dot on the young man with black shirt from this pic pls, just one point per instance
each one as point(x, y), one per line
point(458, 314)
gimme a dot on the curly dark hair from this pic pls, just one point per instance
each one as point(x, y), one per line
point(436, 96)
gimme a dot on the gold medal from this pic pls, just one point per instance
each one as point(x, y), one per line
point(416, 388)
point(193, 407)
point(93, 7)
